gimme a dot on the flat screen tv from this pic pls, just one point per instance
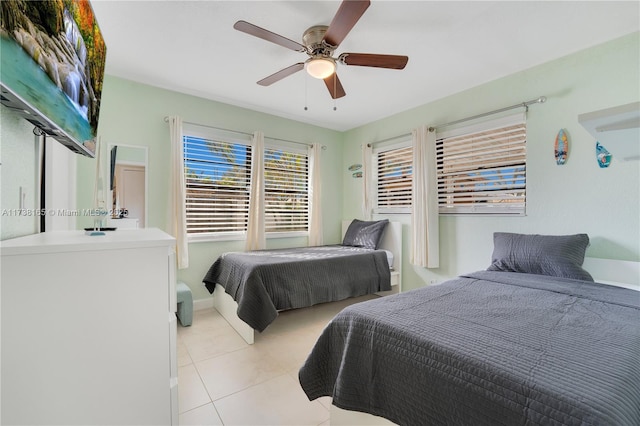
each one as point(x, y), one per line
point(53, 57)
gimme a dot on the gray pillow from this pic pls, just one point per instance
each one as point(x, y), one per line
point(555, 255)
point(365, 234)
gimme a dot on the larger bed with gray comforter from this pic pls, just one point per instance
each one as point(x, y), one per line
point(487, 348)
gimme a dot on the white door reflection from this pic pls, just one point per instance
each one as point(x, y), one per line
point(128, 184)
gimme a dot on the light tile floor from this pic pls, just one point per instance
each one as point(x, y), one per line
point(224, 381)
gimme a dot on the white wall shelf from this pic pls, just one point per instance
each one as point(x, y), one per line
point(617, 128)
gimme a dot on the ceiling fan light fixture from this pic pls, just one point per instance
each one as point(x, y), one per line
point(321, 68)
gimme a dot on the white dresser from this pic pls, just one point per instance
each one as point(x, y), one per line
point(89, 329)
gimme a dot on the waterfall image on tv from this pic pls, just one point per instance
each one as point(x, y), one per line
point(53, 57)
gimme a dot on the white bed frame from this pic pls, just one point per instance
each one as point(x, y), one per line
point(620, 273)
point(227, 307)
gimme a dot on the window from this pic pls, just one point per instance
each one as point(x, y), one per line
point(482, 170)
point(217, 167)
point(286, 190)
point(217, 177)
point(393, 174)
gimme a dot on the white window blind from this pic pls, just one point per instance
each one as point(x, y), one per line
point(286, 190)
point(482, 170)
point(217, 176)
point(393, 174)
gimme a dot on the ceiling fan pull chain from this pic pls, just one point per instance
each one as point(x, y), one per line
point(305, 93)
point(335, 90)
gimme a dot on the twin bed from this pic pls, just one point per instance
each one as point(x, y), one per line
point(249, 288)
point(542, 345)
point(531, 340)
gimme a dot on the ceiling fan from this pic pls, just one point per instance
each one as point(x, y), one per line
point(319, 42)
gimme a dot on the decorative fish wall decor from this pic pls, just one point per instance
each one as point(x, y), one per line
point(603, 156)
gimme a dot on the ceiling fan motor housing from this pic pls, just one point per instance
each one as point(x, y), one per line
point(313, 39)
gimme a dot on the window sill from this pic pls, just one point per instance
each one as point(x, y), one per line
point(207, 238)
point(235, 236)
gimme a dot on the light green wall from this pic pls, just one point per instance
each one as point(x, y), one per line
point(129, 154)
point(19, 169)
point(133, 114)
point(574, 198)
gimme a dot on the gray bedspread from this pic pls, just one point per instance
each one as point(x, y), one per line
point(488, 348)
point(265, 281)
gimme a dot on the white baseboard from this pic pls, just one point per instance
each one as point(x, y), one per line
point(201, 304)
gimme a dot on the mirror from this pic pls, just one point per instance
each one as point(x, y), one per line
point(128, 186)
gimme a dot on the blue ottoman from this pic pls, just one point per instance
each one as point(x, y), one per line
point(185, 304)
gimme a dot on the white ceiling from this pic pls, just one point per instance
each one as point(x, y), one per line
point(191, 47)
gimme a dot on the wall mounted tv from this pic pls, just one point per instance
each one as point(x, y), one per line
point(53, 58)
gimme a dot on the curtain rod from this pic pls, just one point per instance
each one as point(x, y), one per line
point(300, 143)
point(525, 104)
point(389, 139)
point(166, 120)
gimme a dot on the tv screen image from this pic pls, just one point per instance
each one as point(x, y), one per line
point(53, 57)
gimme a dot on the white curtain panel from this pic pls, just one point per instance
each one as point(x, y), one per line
point(315, 210)
point(177, 195)
point(367, 181)
point(425, 251)
point(256, 239)
point(99, 202)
